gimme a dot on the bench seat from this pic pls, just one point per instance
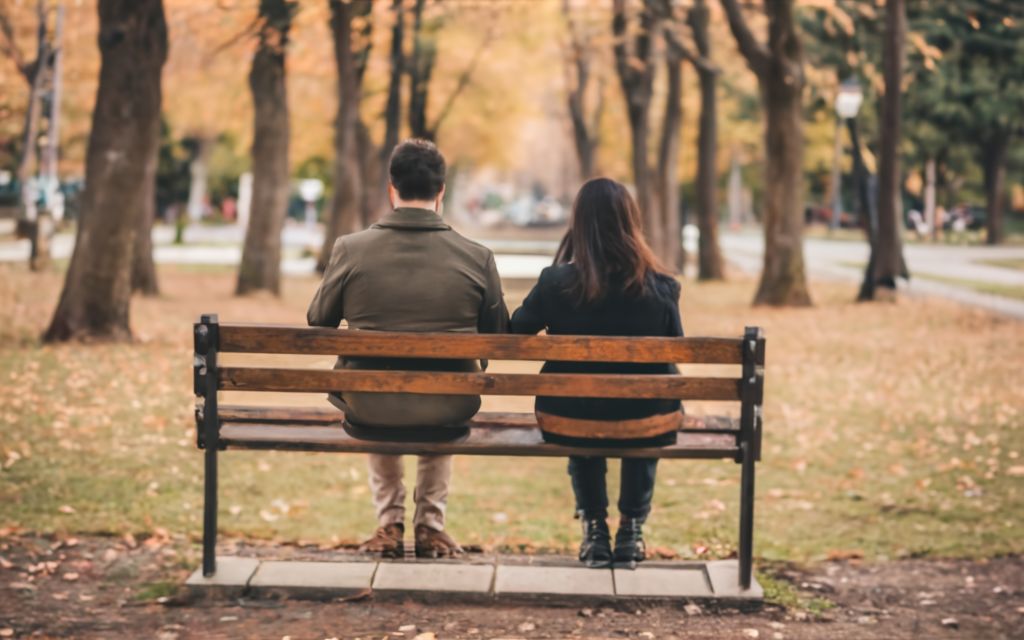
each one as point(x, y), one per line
point(491, 433)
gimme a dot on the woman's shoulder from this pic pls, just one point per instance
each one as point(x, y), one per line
point(557, 275)
point(665, 285)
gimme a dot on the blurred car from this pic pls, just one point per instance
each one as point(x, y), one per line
point(969, 216)
point(823, 215)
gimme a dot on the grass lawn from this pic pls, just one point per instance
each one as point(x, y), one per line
point(992, 288)
point(890, 431)
point(1007, 263)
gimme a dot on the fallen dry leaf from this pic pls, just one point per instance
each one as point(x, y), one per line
point(66, 508)
point(845, 554)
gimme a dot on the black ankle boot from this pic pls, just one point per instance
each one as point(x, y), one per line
point(596, 549)
point(629, 542)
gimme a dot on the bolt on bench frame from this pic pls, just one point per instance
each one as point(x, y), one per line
point(509, 434)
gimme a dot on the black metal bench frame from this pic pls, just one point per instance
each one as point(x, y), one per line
point(218, 428)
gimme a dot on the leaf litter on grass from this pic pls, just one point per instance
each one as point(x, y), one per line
point(890, 429)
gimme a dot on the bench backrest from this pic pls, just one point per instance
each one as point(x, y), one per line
point(748, 353)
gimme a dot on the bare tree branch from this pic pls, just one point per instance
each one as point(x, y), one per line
point(677, 47)
point(244, 34)
point(464, 79)
point(755, 52)
point(8, 47)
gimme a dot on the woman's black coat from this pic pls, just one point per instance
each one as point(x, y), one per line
point(553, 305)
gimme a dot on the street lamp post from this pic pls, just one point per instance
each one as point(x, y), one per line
point(848, 101)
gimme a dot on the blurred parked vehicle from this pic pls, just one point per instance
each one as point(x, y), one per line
point(966, 216)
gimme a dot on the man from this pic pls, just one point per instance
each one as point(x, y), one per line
point(410, 272)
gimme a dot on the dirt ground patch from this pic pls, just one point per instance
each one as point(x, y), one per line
point(109, 587)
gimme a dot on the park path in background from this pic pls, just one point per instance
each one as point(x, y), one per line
point(840, 260)
point(222, 246)
point(524, 258)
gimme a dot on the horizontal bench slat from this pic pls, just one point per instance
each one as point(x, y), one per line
point(498, 384)
point(480, 441)
point(330, 416)
point(240, 338)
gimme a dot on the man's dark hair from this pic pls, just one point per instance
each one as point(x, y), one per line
point(417, 170)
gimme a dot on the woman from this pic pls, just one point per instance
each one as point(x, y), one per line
point(606, 281)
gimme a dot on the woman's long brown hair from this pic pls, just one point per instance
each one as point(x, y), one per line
point(605, 241)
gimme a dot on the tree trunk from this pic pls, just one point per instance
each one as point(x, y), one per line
point(929, 197)
point(393, 108)
point(424, 55)
point(783, 281)
point(994, 165)
point(199, 172)
point(94, 303)
point(734, 193)
point(671, 248)
point(887, 259)
point(49, 167)
point(261, 254)
point(144, 279)
point(577, 77)
point(35, 74)
point(709, 254)
point(345, 210)
point(636, 75)
point(780, 73)
point(371, 200)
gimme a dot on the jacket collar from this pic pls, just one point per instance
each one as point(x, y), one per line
point(413, 219)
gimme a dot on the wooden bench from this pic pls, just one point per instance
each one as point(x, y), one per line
point(496, 434)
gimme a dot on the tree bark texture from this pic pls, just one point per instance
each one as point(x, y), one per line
point(577, 77)
point(930, 211)
point(393, 108)
point(144, 278)
point(671, 248)
point(94, 303)
point(779, 69)
point(199, 173)
point(35, 75)
point(994, 165)
point(635, 69)
point(709, 263)
point(421, 68)
point(261, 253)
point(351, 48)
point(887, 263)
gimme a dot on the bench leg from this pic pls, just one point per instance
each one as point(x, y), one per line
point(210, 513)
point(746, 551)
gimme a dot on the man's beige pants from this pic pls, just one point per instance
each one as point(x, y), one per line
point(433, 474)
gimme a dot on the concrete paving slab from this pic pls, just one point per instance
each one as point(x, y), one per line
point(402, 579)
point(312, 579)
point(548, 581)
point(231, 580)
point(689, 581)
point(725, 582)
point(552, 584)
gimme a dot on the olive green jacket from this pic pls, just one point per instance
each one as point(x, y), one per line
point(410, 272)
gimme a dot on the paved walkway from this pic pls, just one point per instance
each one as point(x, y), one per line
point(221, 246)
point(539, 579)
point(826, 259)
point(841, 260)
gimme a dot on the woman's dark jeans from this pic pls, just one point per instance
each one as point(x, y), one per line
point(636, 487)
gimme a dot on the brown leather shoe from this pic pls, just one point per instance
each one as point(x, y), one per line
point(431, 543)
point(387, 542)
